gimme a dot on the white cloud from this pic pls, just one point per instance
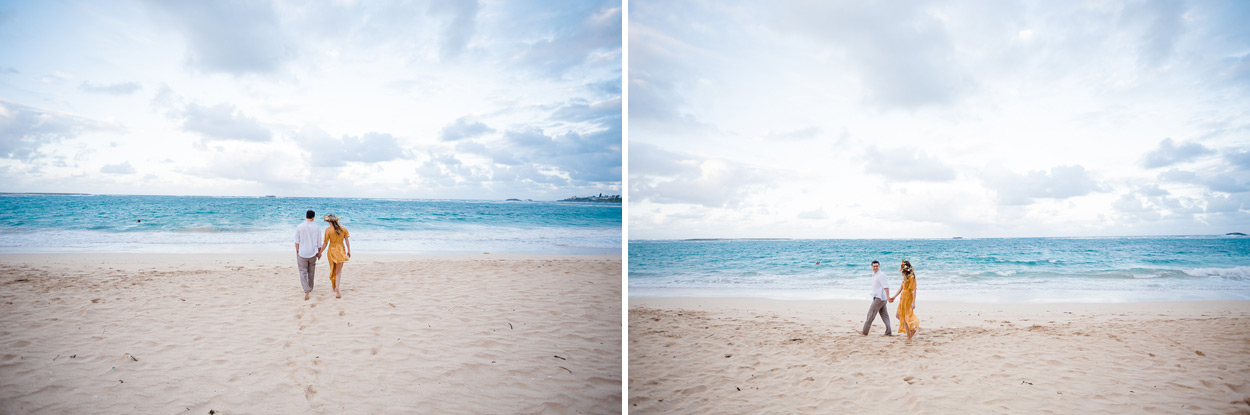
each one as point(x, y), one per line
point(463, 128)
point(801, 134)
point(907, 165)
point(902, 52)
point(122, 168)
point(232, 37)
point(459, 27)
point(1169, 153)
point(24, 130)
point(817, 214)
point(288, 97)
point(973, 119)
point(222, 122)
point(327, 151)
point(121, 88)
point(1061, 182)
point(663, 176)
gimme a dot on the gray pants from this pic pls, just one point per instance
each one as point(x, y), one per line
point(878, 307)
point(307, 266)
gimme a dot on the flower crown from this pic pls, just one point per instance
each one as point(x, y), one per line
point(907, 267)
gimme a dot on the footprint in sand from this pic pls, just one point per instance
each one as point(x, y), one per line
point(342, 313)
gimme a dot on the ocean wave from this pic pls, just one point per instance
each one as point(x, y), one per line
point(1234, 273)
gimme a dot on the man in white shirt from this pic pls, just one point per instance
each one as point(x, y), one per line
point(307, 250)
point(880, 296)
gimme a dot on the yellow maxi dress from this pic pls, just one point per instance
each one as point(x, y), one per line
point(336, 253)
point(907, 320)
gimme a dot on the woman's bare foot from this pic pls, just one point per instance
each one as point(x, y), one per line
point(337, 294)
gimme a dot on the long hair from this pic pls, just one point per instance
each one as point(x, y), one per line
point(907, 270)
point(334, 221)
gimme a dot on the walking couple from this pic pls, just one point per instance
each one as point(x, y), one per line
point(906, 312)
point(308, 251)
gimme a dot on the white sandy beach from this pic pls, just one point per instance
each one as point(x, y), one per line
point(758, 356)
point(181, 333)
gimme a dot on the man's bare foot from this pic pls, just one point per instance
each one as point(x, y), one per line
point(305, 295)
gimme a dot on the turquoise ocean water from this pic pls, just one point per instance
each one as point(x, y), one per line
point(199, 224)
point(1111, 269)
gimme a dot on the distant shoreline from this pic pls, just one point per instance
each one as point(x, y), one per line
point(43, 194)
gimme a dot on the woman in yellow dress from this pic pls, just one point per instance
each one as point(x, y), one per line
point(340, 251)
point(906, 313)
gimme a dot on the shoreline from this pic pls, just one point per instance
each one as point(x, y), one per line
point(1002, 296)
point(751, 355)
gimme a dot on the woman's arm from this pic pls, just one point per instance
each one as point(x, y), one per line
point(348, 242)
point(900, 291)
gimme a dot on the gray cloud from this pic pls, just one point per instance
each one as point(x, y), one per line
point(218, 122)
point(1218, 182)
point(370, 147)
point(1227, 183)
point(907, 165)
point(902, 51)
point(801, 134)
point(464, 128)
point(594, 156)
point(270, 169)
point(817, 214)
point(459, 28)
point(447, 170)
point(24, 129)
point(234, 37)
point(121, 88)
point(598, 32)
point(581, 110)
point(1239, 160)
point(648, 160)
point(656, 86)
point(1160, 24)
point(498, 154)
point(122, 168)
point(1169, 153)
point(608, 87)
point(683, 178)
point(1226, 204)
point(222, 122)
point(1061, 182)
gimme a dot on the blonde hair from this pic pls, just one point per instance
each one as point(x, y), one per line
point(334, 221)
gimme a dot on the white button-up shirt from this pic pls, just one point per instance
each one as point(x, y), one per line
point(308, 236)
point(878, 286)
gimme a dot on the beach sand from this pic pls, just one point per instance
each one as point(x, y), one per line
point(759, 356)
point(182, 333)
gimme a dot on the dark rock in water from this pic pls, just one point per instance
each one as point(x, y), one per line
point(513, 200)
point(1235, 234)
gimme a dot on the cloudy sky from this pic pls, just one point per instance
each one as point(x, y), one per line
point(853, 119)
point(431, 99)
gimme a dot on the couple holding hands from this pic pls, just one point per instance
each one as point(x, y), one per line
point(907, 321)
point(309, 245)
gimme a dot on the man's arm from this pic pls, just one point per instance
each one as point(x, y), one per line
point(887, 294)
point(297, 248)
